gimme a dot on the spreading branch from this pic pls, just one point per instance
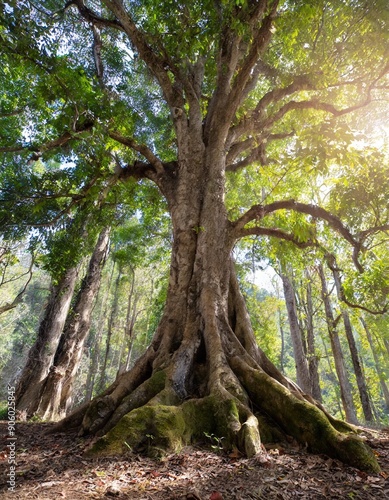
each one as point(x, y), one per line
point(278, 233)
point(59, 142)
point(258, 212)
point(140, 148)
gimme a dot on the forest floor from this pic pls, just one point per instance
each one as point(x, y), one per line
point(52, 466)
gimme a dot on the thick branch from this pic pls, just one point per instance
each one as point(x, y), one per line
point(261, 39)
point(156, 61)
point(141, 148)
point(256, 154)
point(277, 233)
point(258, 212)
point(48, 146)
point(92, 17)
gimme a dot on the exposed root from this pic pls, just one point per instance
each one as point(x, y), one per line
point(302, 420)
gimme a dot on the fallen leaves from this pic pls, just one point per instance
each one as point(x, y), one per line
point(53, 466)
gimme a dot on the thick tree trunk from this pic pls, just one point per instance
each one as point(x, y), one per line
point(302, 371)
point(344, 382)
point(41, 355)
point(56, 394)
point(203, 372)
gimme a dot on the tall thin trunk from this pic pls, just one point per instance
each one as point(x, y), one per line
point(313, 361)
point(344, 382)
point(97, 341)
point(131, 306)
point(361, 383)
point(302, 371)
point(378, 367)
point(56, 396)
point(41, 355)
point(386, 343)
point(111, 323)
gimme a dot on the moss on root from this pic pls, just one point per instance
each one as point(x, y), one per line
point(157, 427)
point(148, 427)
point(305, 422)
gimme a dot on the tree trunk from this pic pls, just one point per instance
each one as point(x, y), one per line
point(344, 383)
point(361, 383)
point(313, 361)
point(41, 355)
point(378, 367)
point(57, 390)
point(128, 334)
point(203, 371)
point(97, 340)
point(302, 371)
point(111, 323)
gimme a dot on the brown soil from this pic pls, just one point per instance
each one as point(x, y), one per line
point(52, 466)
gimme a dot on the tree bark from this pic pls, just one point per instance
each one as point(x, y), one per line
point(56, 394)
point(302, 370)
point(344, 383)
point(361, 383)
point(41, 355)
point(313, 361)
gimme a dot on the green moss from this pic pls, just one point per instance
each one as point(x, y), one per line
point(146, 427)
point(307, 423)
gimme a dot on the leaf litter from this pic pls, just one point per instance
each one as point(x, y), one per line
point(52, 466)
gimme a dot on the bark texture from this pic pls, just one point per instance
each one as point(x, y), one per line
point(344, 382)
point(302, 369)
point(56, 394)
point(40, 358)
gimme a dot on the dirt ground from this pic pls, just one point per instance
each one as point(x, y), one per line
point(52, 466)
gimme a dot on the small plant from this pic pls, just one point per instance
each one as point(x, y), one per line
point(128, 446)
point(216, 442)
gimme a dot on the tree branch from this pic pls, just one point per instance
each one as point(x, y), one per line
point(258, 212)
point(257, 153)
point(11, 305)
point(157, 62)
point(277, 233)
point(55, 143)
point(91, 16)
point(140, 148)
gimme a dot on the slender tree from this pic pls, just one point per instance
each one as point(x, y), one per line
point(56, 394)
point(361, 383)
point(195, 92)
point(341, 371)
point(302, 369)
point(41, 355)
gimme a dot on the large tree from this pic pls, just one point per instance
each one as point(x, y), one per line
point(189, 95)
